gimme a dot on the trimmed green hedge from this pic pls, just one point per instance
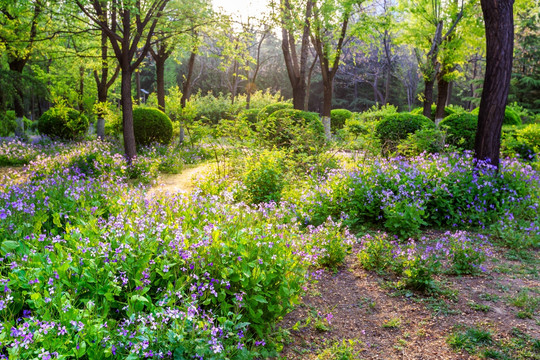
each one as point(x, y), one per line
point(63, 123)
point(461, 130)
point(394, 128)
point(268, 110)
point(151, 125)
point(510, 116)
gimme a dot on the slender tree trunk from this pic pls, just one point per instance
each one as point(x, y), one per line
point(137, 87)
point(127, 115)
point(160, 82)
point(499, 25)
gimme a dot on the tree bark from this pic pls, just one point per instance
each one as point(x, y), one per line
point(127, 115)
point(499, 25)
point(296, 66)
point(160, 82)
point(443, 90)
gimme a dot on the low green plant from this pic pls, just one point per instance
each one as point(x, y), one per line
point(470, 339)
point(419, 267)
point(527, 301)
point(300, 131)
point(151, 126)
point(394, 128)
point(265, 177)
point(338, 117)
point(461, 130)
point(467, 253)
point(423, 141)
point(269, 109)
point(61, 122)
point(479, 307)
point(392, 323)
point(7, 123)
point(346, 349)
point(377, 252)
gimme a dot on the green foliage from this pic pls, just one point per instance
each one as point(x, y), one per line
point(377, 252)
point(338, 117)
point(151, 125)
point(527, 301)
point(264, 177)
point(333, 241)
point(376, 113)
point(510, 116)
point(521, 140)
point(470, 338)
point(425, 140)
point(113, 118)
point(394, 128)
point(467, 253)
point(344, 350)
point(301, 131)
point(251, 116)
point(448, 110)
point(61, 122)
point(269, 109)
point(461, 129)
point(7, 123)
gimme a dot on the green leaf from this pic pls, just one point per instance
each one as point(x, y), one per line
point(260, 299)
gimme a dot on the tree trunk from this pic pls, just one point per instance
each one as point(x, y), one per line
point(138, 87)
point(443, 88)
point(160, 82)
point(428, 97)
point(499, 25)
point(327, 106)
point(127, 115)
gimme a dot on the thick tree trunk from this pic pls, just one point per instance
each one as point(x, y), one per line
point(443, 88)
point(499, 24)
point(160, 82)
point(137, 87)
point(428, 97)
point(127, 115)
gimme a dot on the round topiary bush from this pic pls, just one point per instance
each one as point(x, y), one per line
point(64, 123)
point(510, 116)
point(461, 130)
point(272, 108)
point(394, 128)
point(338, 117)
point(289, 128)
point(151, 125)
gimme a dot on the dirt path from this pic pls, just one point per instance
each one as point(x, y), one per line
point(183, 182)
point(388, 324)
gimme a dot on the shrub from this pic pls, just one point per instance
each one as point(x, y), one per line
point(522, 140)
point(377, 252)
point(338, 117)
point(264, 178)
point(511, 117)
point(467, 253)
point(394, 128)
point(424, 140)
point(448, 110)
point(250, 116)
point(301, 131)
point(7, 123)
point(211, 109)
point(376, 113)
point(63, 123)
point(461, 129)
point(268, 110)
point(151, 125)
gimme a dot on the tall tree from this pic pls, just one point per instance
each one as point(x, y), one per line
point(296, 62)
point(129, 28)
point(19, 28)
point(499, 25)
point(329, 30)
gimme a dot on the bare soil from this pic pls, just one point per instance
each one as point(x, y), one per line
point(183, 182)
point(364, 305)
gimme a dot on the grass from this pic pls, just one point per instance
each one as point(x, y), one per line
point(479, 307)
point(527, 303)
point(392, 323)
point(344, 350)
point(480, 341)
